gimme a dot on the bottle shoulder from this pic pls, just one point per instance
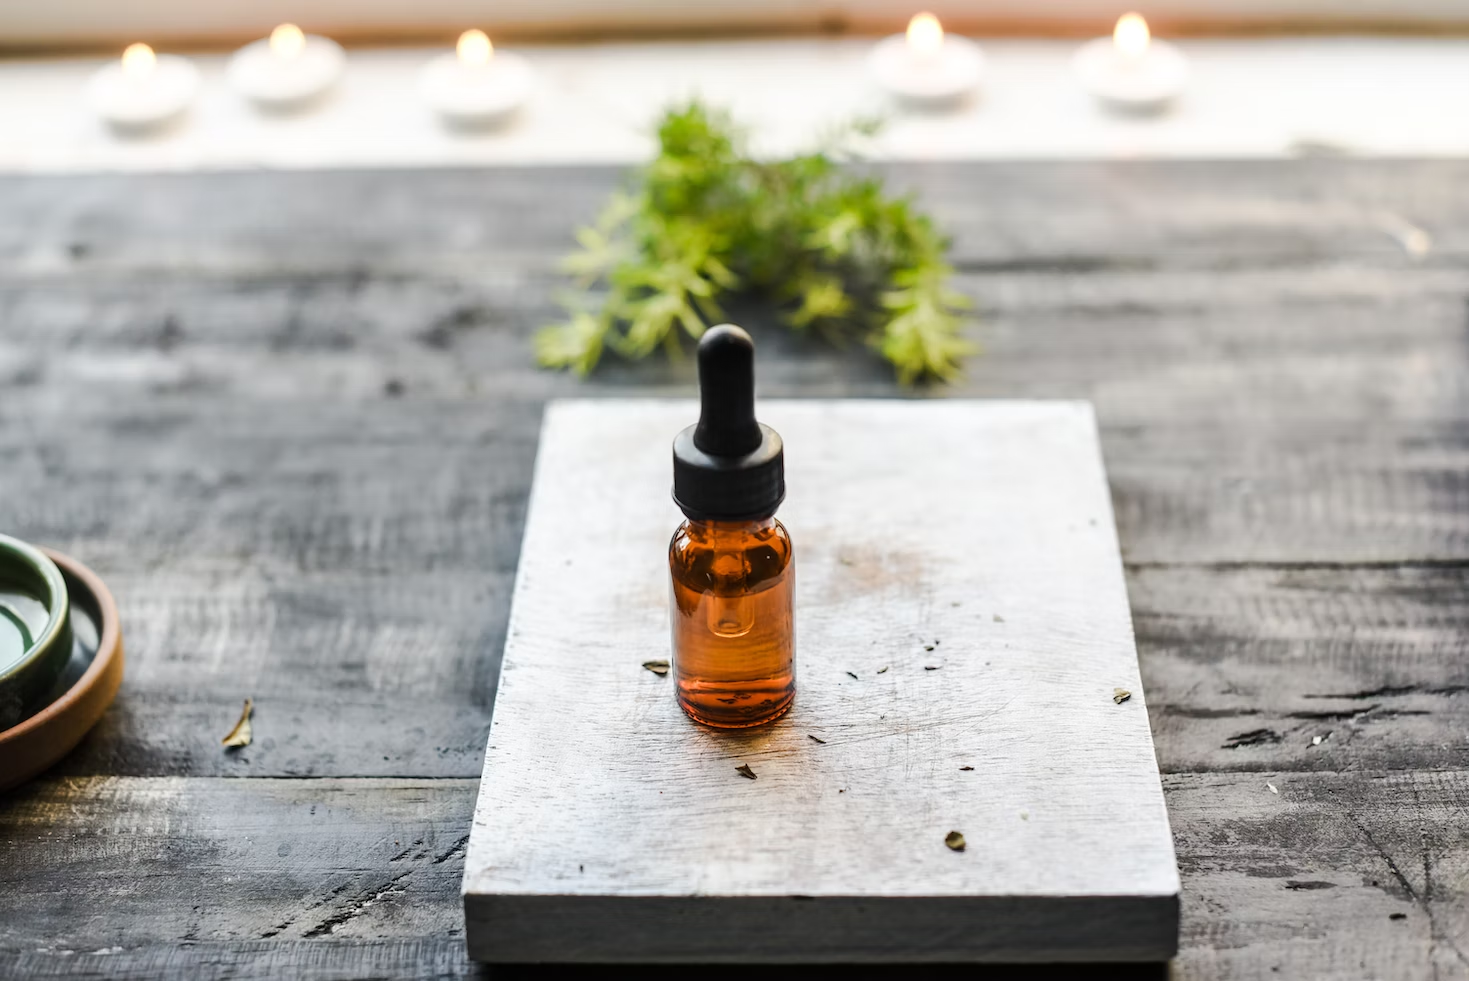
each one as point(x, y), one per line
point(689, 537)
point(751, 557)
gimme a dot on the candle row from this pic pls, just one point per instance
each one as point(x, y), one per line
point(1129, 71)
point(477, 85)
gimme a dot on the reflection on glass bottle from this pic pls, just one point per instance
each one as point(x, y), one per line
point(734, 620)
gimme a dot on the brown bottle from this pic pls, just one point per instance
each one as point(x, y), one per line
point(734, 640)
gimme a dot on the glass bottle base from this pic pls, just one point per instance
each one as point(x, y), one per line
point(736, 709)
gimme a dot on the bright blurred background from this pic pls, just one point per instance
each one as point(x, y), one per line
point(104, 22)
point(1266, 78)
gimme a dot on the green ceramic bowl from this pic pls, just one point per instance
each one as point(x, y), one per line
point(35, 629)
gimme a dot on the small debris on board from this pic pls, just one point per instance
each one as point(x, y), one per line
point(1272, 788)
point(241, 734)
point(932, 667)
point(883, 669)
point(966, 768)
point(1397, 916)
point(1120, 695)
point(744, 770)
point(1318, 740)
point(852, 675)
point(999, 619)
point(659, 668)
point(955, 841)
point(928, 647)
point(815, 739)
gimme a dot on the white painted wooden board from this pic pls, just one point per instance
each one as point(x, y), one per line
point(610, 827)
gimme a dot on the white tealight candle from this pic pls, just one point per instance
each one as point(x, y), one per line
point(1131, 71)
point(286, 70)
point(143, 90)
point(476, 85)
point(925, 66)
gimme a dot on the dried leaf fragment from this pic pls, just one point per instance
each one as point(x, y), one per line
point(1271, 787)
point(883, 669)
point(955, 841)
point(744, 770)
point(240, 735)
point(659, 668)
point(1120, 695)
point(815, 739)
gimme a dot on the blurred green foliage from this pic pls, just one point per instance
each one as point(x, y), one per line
point(706, 219)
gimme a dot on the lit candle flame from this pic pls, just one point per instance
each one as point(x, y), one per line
point(474, 48)
point(138, 61)
point(925, 36)
point(286, 41)
point(1131, 35)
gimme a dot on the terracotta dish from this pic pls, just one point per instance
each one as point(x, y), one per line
point(87, 686)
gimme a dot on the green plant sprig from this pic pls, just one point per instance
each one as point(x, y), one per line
point(705, 219)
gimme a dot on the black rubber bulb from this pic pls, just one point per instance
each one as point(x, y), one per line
point(727, 425)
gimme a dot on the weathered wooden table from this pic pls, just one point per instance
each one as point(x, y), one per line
point(290, 418)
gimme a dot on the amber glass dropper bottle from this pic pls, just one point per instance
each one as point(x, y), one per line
point(734, 637)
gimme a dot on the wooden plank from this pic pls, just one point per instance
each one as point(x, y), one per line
point(1226, 321)
point(961, 609)
point(428, 959)
point(1336, 876)
point(1306, 881)
point(1265, 461)
point(340, 601)
point(335, 960)
point(1237, 661)
point(1308, 668)
point(1178, 211)
point(126, 862)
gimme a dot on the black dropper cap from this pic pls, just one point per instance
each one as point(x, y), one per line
point(728, 467)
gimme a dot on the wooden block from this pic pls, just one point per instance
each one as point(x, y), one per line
point(960, 604)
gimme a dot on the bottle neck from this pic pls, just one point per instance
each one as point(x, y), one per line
point(717, 531)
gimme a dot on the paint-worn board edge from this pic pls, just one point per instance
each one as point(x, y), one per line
point(821, 929)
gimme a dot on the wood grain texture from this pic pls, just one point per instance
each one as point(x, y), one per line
point(301, 401)
point(1306, 881)
point(1236, 325)
point(962, 625)
point(128, 862)
point(1334, 875)
point(1305, 668)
